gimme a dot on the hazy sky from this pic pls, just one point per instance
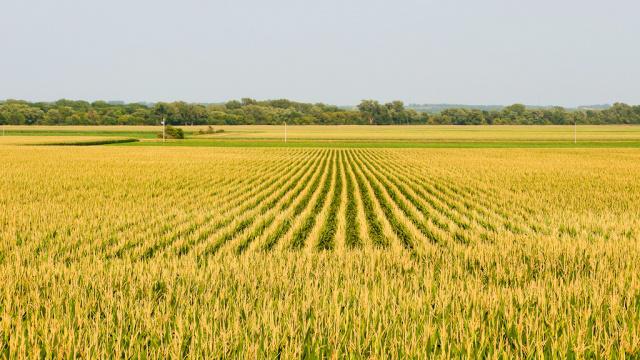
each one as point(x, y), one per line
point(564, 52)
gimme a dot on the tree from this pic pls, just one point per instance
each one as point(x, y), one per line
point(248, 101)
point(251, 111)
point(233, 105)
point(371, 111)
point(163, 111)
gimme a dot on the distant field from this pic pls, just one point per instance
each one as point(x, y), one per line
point(47, 139)
point(434, 133)
point(341, 247)
point(361, 136)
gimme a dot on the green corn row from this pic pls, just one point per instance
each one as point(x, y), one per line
point(284, 227)
point(301, 235)
point(430, 235)
point(398, 228)
point(297, 184)
point(259, 230)
point(328, 232)
point(352, 237)
point(373, 223)
point(257, 200)
point(244, 224)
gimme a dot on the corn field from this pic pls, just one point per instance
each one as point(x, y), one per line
point(155, 252)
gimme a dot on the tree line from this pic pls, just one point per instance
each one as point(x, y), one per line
point(269, 112)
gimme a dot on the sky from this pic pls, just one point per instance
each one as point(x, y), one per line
point(542, 52)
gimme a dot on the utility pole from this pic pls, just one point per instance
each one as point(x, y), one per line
point(163, 127)
point(575, 131)
point(285, 131)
